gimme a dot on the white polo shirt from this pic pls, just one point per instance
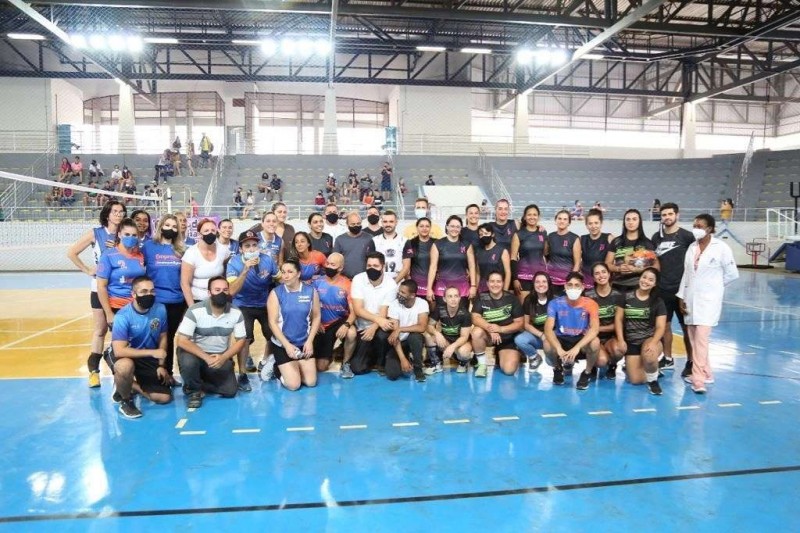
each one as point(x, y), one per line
point(374, 297)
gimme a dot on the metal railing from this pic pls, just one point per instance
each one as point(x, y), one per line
point(499, 189)
point(781, 223)
point(18, 192)
point(213, 185)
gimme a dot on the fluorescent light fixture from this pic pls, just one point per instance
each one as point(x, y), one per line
point(524, 55)
point(305, 47)
point(116, 43)
point(134, 44)
point(322, 47)
point(269, 47)
point(288, 47)
point(78, 41)
point(558, 57)
point(431, 48)
point(593, 56)
point(249, 42)
point(97, 41)
point(26, 36)
point(476, 50)
point(160, 40)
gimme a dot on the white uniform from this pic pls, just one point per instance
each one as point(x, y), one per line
point(704, 279)
point(392, 249)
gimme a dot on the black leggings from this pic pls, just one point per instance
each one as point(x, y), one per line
point(175, 314)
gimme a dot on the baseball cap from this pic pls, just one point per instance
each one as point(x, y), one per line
point(248, 236)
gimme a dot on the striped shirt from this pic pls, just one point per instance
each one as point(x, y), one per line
point(212, 333)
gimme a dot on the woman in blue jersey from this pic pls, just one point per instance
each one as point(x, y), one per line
point(294, 318)
point(100, 239)
point(528, 252)
point(563, 252)
point(417, 257)
point(594, 245)
point(270, 242)
point(530, 341)
point(162, 260)
point(490, 256)
point(117, 269)
point(143, 227)
point(452, 264)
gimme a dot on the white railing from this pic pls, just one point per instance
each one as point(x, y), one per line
point(18, 192)
point(399, 199)
point(499, 189)
point(213, 185)
point(26, 141)
point(781, 223)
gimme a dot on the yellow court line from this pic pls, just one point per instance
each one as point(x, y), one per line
point(48, 330)
point(55, 346)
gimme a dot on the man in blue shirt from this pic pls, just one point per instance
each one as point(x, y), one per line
point(138, 350)
point(250, 275)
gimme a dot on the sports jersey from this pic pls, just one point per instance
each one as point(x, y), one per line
point(419, 252)
point(451, 325)
point(488, 261)
point(324, 244)
point(272, 247)
point(120, 268)
point(312, 265)
point(470, 236)
point(536, 310)
point(501, 311)
point(392, 250)
point(640, 317)
point(164, 268)
point(142, 331)
point(671, 251)
point(233, 246)
point(407, 316)
point(504, 232)
point(560, 259)
point(607, 305)
point(592, 251)
point(294, 315)
point(639, 253)
point(257, 284)
point(531, 253)
point(103, 242)
point(572, 321)
point(453, 269)
point(334, 298)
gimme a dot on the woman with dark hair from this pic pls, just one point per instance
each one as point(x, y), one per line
point(530, 341)
point(528, 251)
point(101, 239)
point(497, 317)
point(117, 269)
point(417, 257)
point(312, 262)
point(320, 241)
point(563, 252)
point(201, 262)
point(489, 256)
point(608, 300)
point(142, 220)
point(594, 245)
point(283, 230)
point(452, 264)
point(65, 171)
point(630, 253)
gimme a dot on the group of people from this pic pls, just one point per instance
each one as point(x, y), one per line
point(402, 303)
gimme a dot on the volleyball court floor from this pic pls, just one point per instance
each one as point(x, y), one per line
point(505, 453)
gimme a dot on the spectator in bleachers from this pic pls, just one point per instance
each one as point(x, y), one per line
point(238, 201)
point(77, 169)
point(430, 181)
point(190, 157)
point(368, 198)
point(366, 185)
point(597, 205)
point(263, 187)
point(164, 166)
point(116, 177)
point(726, 210)
point(377, 200)
point(90, 198)
point(95, 170)
point(655, 211)
point(577, 211)
point(352, 189)
point(484, 207)
point(126, 174)
point(53, 197)
point(175, 155)
point(248, 205)
point(195, 207)
point(275, 186)
point(129, 187)
point(401, 184)
point(206, 147)
point(330, 183)
point(386, 181)
point(319, 201)
point(65, 171)
point(67, 197)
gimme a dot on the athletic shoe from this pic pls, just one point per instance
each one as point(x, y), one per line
point(419, 375)
point(195, 400)
point(462, 368)
point(611, 372)
point(534, 362)
point(380, 370)
point(267, 372)
point(480, 371)
point(666, 363)
point(94, 379)
point(595, 375)
point(429, 371)
point(654, 388)
point(128, 409)
point(583, 381)
point(699, 390)
point(474, 361)
point(250, 365)
point(558, 376)
point(346, 372)
point(116, 397)
point(689, 380)
point(244, 383)
point(568, 368)
point(687, 370)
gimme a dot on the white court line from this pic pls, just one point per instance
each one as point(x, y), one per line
point(354, 426)
point(254, 430)
point(687, 407)
point(646, 410)
point(457, 421)
point(770, 402)
point(301, 428)
point(193, 432)
point(54, 346)
point(788, 353)
point(181, 423)
point(773, 311)
point(756, 346)
point(505, 418)
point(48, 330)
point(554, 415)
point(732, 404)
point(191, 409)
point(405, 424)
point(599, 413)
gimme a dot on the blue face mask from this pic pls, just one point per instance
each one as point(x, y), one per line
point(129, 241)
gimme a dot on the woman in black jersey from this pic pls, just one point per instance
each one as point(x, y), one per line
point(608, 300)
point(630, 253)
point(563, 252)
point(490, 256)
point(531, 340)
point(497, 317)
point(643, 321)
point(320, 241)
point(452, 264)
point(472, 217)
point(448, 333)
point(417, 257)
point(528, 251)
point(594, 245)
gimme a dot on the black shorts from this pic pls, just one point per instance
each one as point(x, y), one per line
point(95, 300)
point(605, 337)
point(671, 303)
point(568, 343)
point(506, 342)
point(634, 350)
point(325, 340)
point(250, 315)
point(145, 371)
point(526, 284)
point(280, 354)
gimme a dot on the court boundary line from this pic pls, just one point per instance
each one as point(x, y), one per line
point(405, 499)
point(48, 330)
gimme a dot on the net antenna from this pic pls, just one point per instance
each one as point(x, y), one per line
point(748, 157)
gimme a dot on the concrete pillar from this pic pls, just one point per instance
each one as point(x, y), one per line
point(316, 131)
point(521, 136)
point(189, 120)
point(172, 120)
point(330, 141)
point(250, 126)
point(97, 119)
point(688, 147)
point(126, 134)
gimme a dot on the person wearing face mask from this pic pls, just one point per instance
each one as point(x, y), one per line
point(354, 246)
point(410, 316)
point(137, 355)
point(497, 317)
point(708, 268)
point(337, 316)
point(391, 244)
point(202, 262)
point(490, 257)
point(333, 226)
point(117, 269)
point(373, 227)
point(421, 208)
point(250, 276)
point(162, 259)
point(209, 337)
point(320, 241)
point(570, 332)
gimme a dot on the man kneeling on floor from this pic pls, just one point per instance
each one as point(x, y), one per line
point(205, 351)
point(410, 315)
point(138, 350)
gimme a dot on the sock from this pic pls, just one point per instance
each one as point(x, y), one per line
point(94, 361)
point(481, 358)
point(652, 376)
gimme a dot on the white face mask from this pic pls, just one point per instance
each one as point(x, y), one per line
point(419, 213)
point(247, 256)
point(574, 294)
point(698, 233)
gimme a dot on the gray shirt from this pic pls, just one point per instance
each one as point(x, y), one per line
point(212, 333)
point(355, 250)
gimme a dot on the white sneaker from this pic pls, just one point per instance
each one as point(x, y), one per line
point(268, 370)
point(534, 362)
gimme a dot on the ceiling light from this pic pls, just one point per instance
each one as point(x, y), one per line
point(431, 48)
point(476, 50)
point(160, 40)
point(288, 46)
point(116, 43)
point(322, 47)
point(78, 41)
point(26, 36)
point(250, 42)
point(305, 47)
point(558, 57)
point(593, 56)
point(524, 55)
point(134, 44)
point(97, 41)
point(269, 47)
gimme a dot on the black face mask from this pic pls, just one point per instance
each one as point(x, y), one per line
point(169, 234)
point(485, 240)
point(373, 219)
point(374, 274)
point(332, 218)
point(331, 272)
point(355, 230)
point(210, 238)
point(146, 301)
point(220, 299)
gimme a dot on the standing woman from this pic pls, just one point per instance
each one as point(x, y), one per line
point(283, 230)
point(594, 245)
point(312, 262)
point(630, 253)
point(226, 234)
point(142, 220)
point(294, 318)
point(490, 257)
point(708, 268)
point(320, 241)
point(162, 260)
point(564, 252)
point(530, 341)
point(452, 264)
point(417, 257)
point(270, 242)
point(183, 226)
point(201, 262)
point(190, 156)
point(100, 239)
point(528, 252)
point(117, 269)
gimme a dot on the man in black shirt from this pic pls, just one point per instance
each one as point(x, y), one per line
point(671, 243)
point(275, 186)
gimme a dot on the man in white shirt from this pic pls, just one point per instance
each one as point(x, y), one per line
point(390, 244)
point(410, 315)
point(372, 292)
point(333, 226)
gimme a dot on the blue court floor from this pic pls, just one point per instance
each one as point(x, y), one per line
point(452, 454)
